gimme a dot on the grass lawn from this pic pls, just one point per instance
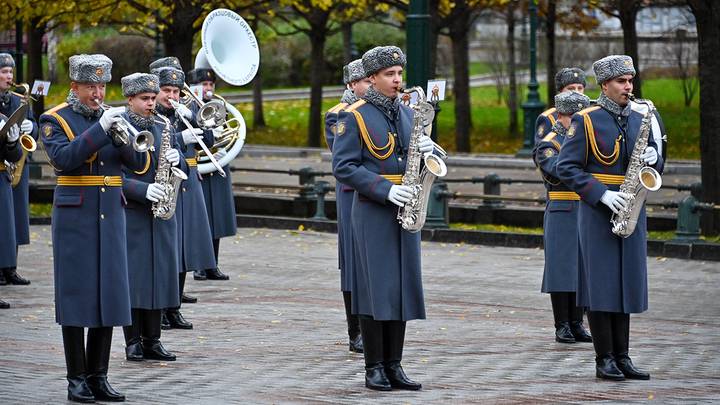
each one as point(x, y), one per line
point(287, 120)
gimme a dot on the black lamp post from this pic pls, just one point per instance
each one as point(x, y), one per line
point(533, 106)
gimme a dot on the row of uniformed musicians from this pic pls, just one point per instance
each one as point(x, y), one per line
point(116, 264)
point(583, 153)
point(369, 133)
point(14, 200)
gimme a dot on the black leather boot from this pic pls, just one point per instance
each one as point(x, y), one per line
point(2, 278)
point(372, 335)
point(393, 343)
point(133, 347)
point(601, 327)
point(176, 320)
point(98, 358)
point(621, 345)
point(74, 345)
point(13, 278)
point(188, 299)
point(199, 275)
point(353, 323)
point(152, 347)
point(185, 299)
point(164, 322)
point(216, 274)
point(576, 321)
point(4, 304)
point(559, 302)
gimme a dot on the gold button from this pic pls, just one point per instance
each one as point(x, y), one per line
point(102, 216)
point(102, 189)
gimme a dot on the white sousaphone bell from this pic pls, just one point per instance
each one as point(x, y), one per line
point(230, 49)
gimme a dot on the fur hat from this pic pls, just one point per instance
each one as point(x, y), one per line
point(170, 76)
point(90, 68)
point(6, 60)
point(566, 76)
point(353, 71)
point(613, 66)
point(570, 102)
point(137, 83)
point(169, 61)
point(197, 76)
point(382, 57)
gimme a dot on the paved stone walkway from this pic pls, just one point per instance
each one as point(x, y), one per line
point(275, 333)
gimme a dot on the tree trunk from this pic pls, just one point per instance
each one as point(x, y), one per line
point(550, 40)
point(628, 15)
point(35, 71)
point(512, 101)
point(317, 69)
point(707, 17)
point(434, 12)
point(461, 82)
point(178, 35)
point(258, 114)
point(348, 44)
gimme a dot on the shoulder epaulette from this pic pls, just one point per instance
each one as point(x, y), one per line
point(53, 112)
point(548, 112)
point(550, 137)
point(588, 110)
point(337, 108)
point(355, 105)
point(56, 108)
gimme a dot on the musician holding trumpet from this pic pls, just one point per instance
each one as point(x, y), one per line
point(604, 147)
point(194, 236)
point(151, 224)
point(88, 225)
point(9, 102)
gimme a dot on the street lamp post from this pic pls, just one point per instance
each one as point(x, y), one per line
point(533, 106)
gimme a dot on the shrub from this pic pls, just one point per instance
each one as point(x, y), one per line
point(129, 53)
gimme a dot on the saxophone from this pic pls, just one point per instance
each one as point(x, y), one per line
point(27, 142)
point(168, 176)
point(412, 215)
point(639, 178)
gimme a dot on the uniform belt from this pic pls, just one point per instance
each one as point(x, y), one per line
point(393, 178)
point(563, 196)
point(192, 162)
point(88, 181)
point(609, 179)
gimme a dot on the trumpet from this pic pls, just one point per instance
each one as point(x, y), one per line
point(200, 142)
point(211, 114)
point(123, 133)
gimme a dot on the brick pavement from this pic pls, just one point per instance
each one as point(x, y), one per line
point(275, 333)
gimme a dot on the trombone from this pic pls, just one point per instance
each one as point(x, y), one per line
point(200, 142)
point(123, 133)
point(211, 114)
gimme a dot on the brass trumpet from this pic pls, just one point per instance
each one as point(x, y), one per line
point(212, 114)
point(123, 133)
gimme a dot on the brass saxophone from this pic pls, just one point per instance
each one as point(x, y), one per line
point(168, 176)
point(639, 178)
point(27, 142)
point(412, 215)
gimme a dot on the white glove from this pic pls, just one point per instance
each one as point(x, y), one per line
point(183, 110)
point(187, 135)
point(399, 195)
point(155, 192)
point(649, 156)
point(221, 153)
point(217, 132)
point(13, 134)
point(425, 144)
point(110, 117)
point(173, 156)
point(615, 200)
point(26, 127)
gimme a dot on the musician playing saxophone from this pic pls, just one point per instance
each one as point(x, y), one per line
point(370, 150)
point(152, 243)
point(9, 102)
point(593, 162)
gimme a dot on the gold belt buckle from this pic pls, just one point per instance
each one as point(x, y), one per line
point(106, 180)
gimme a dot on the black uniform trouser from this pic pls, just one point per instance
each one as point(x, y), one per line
point(181, 289)
point(565, 308)
point(383, 341)
point(145, 327)
point(216, 249)
point(85, 362)
point(611, 333)
point(353, 323)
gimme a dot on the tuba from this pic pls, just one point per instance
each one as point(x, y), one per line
point(27, 142)
point(230, 49)
point(168, 176)
point(420, 179)
point(639, 178)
